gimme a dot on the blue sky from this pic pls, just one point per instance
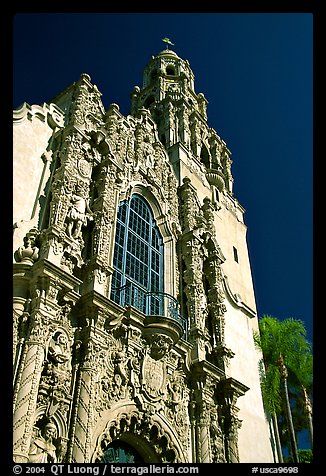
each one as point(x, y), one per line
point(255, 69)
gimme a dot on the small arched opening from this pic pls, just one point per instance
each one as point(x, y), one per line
point(204, 156)
point(170, 71)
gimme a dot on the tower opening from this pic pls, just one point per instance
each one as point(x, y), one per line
point(149, 101)
point(170, 71)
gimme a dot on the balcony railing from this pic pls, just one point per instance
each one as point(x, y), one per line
point(150, 303)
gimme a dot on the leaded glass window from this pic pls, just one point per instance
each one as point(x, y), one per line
point(138, 257)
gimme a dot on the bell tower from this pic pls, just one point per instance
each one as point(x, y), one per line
point(168, 84)
point(180, 113)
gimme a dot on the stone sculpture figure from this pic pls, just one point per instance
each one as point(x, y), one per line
point(78, 214)
point(58, 349)
point(42, 449)
point(29, 252)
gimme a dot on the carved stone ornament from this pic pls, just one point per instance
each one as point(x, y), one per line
point(29, 252)
point(78, 213)
point(84, 167)
point(160, 345)
point(54, 388)
point(177, 401)
point(42, 449)
point(153, 377)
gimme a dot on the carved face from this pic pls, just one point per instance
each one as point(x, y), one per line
point(29, 241)
point(49, 432)
point(62, 339)
point(160, 346)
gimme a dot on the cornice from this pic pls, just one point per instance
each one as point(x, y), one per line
point(47, 113)
point(44, 267)
point(207, 368)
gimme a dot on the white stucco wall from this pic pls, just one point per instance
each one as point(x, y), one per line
point(33, 127)
point(254, 434)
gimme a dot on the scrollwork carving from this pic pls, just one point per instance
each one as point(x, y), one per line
point(38, 327)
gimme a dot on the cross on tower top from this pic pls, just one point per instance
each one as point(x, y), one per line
point(168, 41)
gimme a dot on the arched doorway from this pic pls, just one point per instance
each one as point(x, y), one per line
point(121, 452)
point(143, 438)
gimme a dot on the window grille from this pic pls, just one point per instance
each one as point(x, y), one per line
point(138, 256)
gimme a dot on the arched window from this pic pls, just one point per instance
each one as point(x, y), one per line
point(204, 156)
point(138, 257)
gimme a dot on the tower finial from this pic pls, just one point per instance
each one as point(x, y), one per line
point(168, 41)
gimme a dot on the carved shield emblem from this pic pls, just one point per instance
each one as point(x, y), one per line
point(84, 168)
point(153, 377)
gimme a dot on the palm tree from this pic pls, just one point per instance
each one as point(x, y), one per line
point(302, 370)
point(272, 401)
point(270, 376)
point(281, 343)
point(302, 420)
point(284, 379)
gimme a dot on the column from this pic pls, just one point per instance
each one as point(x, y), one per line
point(82, 420)
point(32, 362)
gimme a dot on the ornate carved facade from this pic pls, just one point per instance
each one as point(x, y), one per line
point(133, 301)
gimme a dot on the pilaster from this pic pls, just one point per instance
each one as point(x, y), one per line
point(90, 358)
point(41, 392)
point(227, 393)
point(205, 414)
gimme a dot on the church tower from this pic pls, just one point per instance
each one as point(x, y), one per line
point(134, 307)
